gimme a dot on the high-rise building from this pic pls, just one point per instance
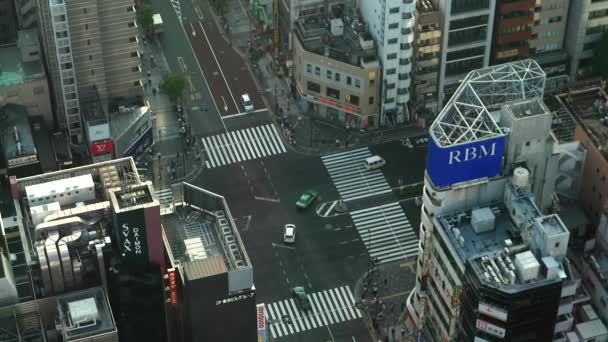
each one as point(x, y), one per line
point(391, 23)
point(91, 49)
point(8, 22)
point(587, 21)
point(467, 41)
point(426, 59)
point(489, 254)
point(512, 30)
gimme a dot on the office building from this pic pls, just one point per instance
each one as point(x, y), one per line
point(336, 70)
point(209, 273)
point(391, 23)
point(587, 21)
point(291, 10)
point(489, 254)
point(426, 60)
point(467, 41)
point(512, 30)
point(23, 80)
point(91, 49)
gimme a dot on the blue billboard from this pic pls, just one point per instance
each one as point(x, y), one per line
point(465, 162)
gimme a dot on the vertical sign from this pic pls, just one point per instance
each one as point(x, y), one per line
point(131, 234)
point(261, 323)
point(275, 23)
point(255, 8)
point(172, 286)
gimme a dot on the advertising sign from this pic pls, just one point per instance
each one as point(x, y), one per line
point(454, 164)
point(493, 312)
point(275, 23)
point(103, 147)
point(261, 317)
point(99, 132)
point(22, 160)
point(172, 286)
point(131, 231)
point(490, 328)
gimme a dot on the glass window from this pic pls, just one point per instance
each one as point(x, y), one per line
point(394, 10)
point(331, 92)
point(337, 77)
point(313, 86)
point(392, 41)
point(354, 99)
point(329, 74)
point(308, 68)
point(349, 80)
point(357, 83)
point(317, 71)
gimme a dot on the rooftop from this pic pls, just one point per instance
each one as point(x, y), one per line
point(13, 71)
point(589, 107)
point(85, 314)
point(200, 232)
point(342, 37)
point(16, 134)
point(468, 117)
point(124, 113)
point(563, 123)
point(426, 6)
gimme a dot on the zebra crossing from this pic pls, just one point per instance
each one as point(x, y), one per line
point(177, 8)
point(241, 145)
point(328, 307)
point(351, 177)
point(165, 197)
point(386, 232)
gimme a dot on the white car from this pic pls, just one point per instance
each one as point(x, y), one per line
point(247, 104)
point(289, 233)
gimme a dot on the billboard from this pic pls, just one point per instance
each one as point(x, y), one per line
point(102, 147)
point(261, 323)
point(99, 132)
point(172, 287)
point(131, 235)
point(460, 163)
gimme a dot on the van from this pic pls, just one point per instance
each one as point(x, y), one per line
point(247, 104)
point(374, 162)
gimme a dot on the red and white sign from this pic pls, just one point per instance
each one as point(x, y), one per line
point(261, 316)
point(492, 311)
point(172, 286)
point(490, 328)
point(103, 147)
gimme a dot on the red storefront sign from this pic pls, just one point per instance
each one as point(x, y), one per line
point(101, 147)
point(172, 286)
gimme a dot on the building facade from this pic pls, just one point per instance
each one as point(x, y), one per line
point(483, 232)
point(8, 22)
point(391, 23)
point(337, 71)
point(91, 48)
point(426, 60)
point(587, 20)
point(512, 30)
point(467, 41)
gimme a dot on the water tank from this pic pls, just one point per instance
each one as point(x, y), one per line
point(520, 177)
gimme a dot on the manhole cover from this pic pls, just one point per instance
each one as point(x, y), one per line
point(329, 226)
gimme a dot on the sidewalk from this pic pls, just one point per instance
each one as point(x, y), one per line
point(381, 295)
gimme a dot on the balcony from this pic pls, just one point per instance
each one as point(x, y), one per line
point(410, 5)
point(408, 20)
point(405, 69)
point(508, 38)
point(508, 6)
point(504, 22)
point(406, 53)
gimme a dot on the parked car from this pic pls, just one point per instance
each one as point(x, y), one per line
point(301, 298)
point(247, 104)
point(306, 198)
point(289, 233)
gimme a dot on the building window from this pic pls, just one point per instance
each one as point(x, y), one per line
point(86, 26)
point(357, 83)
point(84, 10)
point(354, 99)
point(329, 74)
point(134, 54)
point(371, 100)
point(349, 80)
point(331, 92)
point(393, 26)
point(337, 77)
point(389, 100)
point(391, 71)
point(132, 24)
point(90, 57)
point(393, 10)
point(38, 90)
point(133, 39)
point(92, 72)
point(317, 71)
point(372, 82)
point(309, 68)
point(88, 42)
point(392, 41)
point(391, 56)
point(390, 86)
point(313, 86)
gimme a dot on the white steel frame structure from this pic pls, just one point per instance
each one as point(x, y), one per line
point(467, 116)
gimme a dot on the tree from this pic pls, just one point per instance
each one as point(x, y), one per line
point(599, 64)
point(144, 16)
point(174, 86)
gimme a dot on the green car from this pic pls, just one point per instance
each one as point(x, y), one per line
point(306, 199)
point(301, 298)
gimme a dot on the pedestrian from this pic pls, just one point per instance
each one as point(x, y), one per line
point(385, 283)
point(393, 332)
point(402, 332)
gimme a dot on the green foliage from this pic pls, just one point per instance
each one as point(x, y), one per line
point(144, 16)
point(599, 65)
point(174, 86)
point(255, 55)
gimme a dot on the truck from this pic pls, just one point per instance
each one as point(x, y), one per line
point(157, 23)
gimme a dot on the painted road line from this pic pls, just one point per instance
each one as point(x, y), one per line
point(386, 232)
point(352, 300)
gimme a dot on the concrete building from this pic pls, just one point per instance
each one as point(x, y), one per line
point(587, 20)
point(91, 49)
point(426, 60)
point(512, 30)
point(467, 41)
point(336, 71)
point(547, 45)
point(391, 23)
point(290, 10)
point(27, 13)
point(212, 271)
point(23, 80)
point(8, 22)
point(484, 234)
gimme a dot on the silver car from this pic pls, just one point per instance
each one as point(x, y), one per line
point(289, 233)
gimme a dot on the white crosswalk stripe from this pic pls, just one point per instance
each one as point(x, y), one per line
point(244, 144)
point(386, 232)
point(165, 197)
point(328, 307)
point(351, 177)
